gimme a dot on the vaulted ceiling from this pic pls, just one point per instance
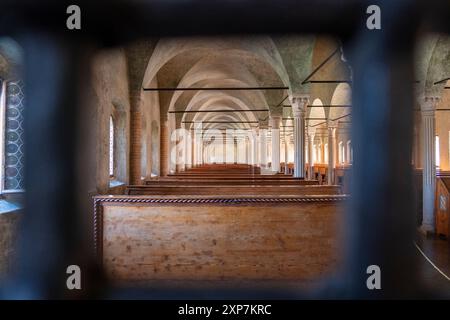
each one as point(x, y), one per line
point(229, 63)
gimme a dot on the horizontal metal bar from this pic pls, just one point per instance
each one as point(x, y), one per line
point(331, 106)
point(220, 121)
point(320, 66)
point(216, 89)
point(441, 81)
point(217, 111)
point(329, 81)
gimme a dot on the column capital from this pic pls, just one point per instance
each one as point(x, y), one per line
point(275, 122)
point(263, 124)
point(428, 104)
point(164, 117)
point(332, 125)
point(299, 104)
point(311, 131)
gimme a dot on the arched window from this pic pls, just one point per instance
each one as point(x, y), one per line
point(437, 152)
point(111, 146)
point(12, 108)
point(349, 152)
point(341, 153)
point(326, 153)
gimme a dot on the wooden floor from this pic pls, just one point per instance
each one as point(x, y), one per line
point(434, 262)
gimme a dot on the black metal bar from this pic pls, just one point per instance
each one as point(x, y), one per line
point(220, 121)
point(320, 66)
point(281, 102)
point(219, 111)
point(51, 233)
point(382, 65)
point(441, 81)
point(341, 117)
point(329, 81)
point(216, 89)
point(318, 124)
point(338, 118)
point(331, 106)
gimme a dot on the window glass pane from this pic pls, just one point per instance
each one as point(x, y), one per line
point(14, 136)
point(111, 146)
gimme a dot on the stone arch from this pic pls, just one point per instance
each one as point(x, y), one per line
point(316, 114)
point(342, 95)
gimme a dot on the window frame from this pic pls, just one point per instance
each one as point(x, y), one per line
point(3, 101)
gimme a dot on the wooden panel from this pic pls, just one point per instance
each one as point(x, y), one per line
point(233, 190)
point(188, 181)
point(442, 207)
point(266, 239)
point(8, 234)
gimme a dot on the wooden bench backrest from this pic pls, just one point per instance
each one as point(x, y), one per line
point(232, 190)
point(205, 238)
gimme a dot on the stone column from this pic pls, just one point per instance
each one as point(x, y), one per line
point(254, 147)
point(187, 147)
point(263, 146)
point(332, 127)
point(198, 143)
point(235, 146)
point(311, 135)
point(179, 149)
point(298, 110)
point(286, 152)
point(193, 158)
point(428, 108)
point(224, 146)
point(164, 145)
point(275, 124)
point(135, 137)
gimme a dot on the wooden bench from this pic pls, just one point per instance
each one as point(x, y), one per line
point(232, 190)
point(244, 182)
point(217, 238)
point(231, 177)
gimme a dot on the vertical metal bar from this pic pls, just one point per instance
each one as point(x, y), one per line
point(50, 232)
point(381, 217)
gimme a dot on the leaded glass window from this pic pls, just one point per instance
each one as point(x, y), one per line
point(14, 136)
point(111, 147)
